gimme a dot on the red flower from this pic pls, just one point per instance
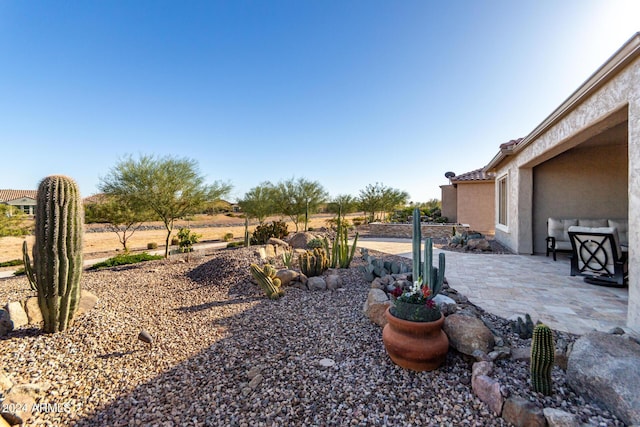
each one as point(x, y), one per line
point(397, 292)
point(426, 292)
point(430, 303)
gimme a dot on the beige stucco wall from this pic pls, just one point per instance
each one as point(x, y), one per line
point(449, 202)
point(621, 92)
point(476, 205)
point(586, 182)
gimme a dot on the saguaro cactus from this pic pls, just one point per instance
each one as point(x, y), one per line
point(542, 354)
point(57, 252)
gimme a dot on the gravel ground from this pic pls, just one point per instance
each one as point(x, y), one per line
point(225, 355)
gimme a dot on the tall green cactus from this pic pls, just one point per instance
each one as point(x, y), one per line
point(313, 263)
point(340, 253)
point(57, 252)
point(431, 276)
point(246, 231)
point(542, 355)
point(266, 278)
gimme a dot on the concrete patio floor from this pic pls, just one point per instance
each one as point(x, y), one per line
point(506, 285)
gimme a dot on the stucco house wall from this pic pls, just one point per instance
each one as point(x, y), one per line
point(476, 207)
point(609, 97)
point(449, 202)
point(586, 182)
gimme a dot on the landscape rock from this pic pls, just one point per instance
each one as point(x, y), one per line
point(17, 408)
point(376, 305)
point(377, 284)
point(287, 276)
point(270, 251)
point(488, 390)
point(32, 309)
point(521, 353)
point(481, 368)
point(5, 383)
point(467, 334)
point(480, 356)
point(500, 353)
point(253, 372)
point(301, 240)
point(447, 305)
point(606, 369)
point(300, 285)
point(326, 363)
point(478, 245)
point(522, 413)
point(559, 418)
point(6, 325)
point(255, 381)
point(36, 390)
point(333, 282)
point(17, 314)
point(316, 283)
point(278, 242)
point(87, 302)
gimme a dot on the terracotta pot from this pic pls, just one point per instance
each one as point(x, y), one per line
point(419, 346)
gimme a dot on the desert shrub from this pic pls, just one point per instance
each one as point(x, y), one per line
point(175, 241)
point(227, 237)
point(187, 239)
point(152, 245)
point(11, 263)
point(333, 223)
point(19, 272)
point(125, 259)
point(235, 244)
point(264, 232)
point(314, 243)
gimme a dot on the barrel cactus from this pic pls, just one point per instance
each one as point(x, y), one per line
point(313, 263)
point(57, 252)
point(542, 355)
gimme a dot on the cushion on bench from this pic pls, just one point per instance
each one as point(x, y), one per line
point(593, 223)
point(557, 228)
point(622, 225)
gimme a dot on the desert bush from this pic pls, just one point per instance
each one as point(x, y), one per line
point(187, 239)
point(175, 241)
point(263, 233)
point(227, 237)
point(314, 243)
point(152, 245)
point(235, 244)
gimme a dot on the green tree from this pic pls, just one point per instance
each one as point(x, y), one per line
point(344, 203)
point(170, 187)
point(258, 202)
point(378, 198)
point(298, 198)
point(119, 216)
point(12, 222)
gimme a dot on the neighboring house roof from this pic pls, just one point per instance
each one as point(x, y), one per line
point(473, 176)
point(9, 195)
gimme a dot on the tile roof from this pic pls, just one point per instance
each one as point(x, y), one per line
point(8, 195)
point(474, 175)
point(510, 144)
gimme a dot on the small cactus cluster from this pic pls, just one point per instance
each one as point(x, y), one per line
point(430, 275)
point(542, 355)
point(340, 253)
point(524, 328)
point(313, 263)
point(57, 252)
point(266, 277)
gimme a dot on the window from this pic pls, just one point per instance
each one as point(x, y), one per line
point(502, 200)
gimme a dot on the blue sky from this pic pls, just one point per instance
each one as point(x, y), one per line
point(347, 93)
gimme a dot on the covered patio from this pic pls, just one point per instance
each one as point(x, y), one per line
point(506, 285)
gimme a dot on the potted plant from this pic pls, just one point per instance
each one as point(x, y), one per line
point(413, 335)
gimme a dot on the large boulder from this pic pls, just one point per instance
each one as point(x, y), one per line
point(300, 240)
point(334, 282)
point(287, 276)
point(17, 314)
point(32, 309)
point(316, 283)
point(606, 368)
point(87, 301)
point(468, 333)
point(376, 305)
